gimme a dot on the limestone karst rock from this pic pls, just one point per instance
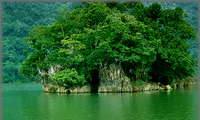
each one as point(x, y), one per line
point(113, 79)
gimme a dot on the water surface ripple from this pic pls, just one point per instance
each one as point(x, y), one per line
point(27, 101)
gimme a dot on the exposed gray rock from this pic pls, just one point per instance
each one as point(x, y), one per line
point(114, 80)
point(187, 81)
point(167, 87)
point(45, 75)
point(147, 87)
point(136, 88)
point(190, 81)
point(155, 87)
point(127, 87)
point(80, 89)
point(60, 89)
point(174, 85)
point(49, 88)
point(161, 88)
point(111, 79)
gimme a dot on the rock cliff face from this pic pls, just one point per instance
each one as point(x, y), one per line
point(113, 80)
point(45, 75)
point(110, 80)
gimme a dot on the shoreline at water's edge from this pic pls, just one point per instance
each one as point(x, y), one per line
point(49, 88)
point(111, 88)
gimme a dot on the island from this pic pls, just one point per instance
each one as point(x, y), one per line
point(112, 47)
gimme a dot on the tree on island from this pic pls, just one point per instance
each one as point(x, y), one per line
point(148, 42)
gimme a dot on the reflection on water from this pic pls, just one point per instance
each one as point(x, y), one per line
point(28, 102)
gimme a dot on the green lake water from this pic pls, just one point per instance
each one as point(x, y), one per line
point(27, 101)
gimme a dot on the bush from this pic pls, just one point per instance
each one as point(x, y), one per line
point(67, 77)
point(138, 83)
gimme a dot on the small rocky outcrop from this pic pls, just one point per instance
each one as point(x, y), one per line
point(147, 87)
point(186, 82)
point(60, 89)
point(113, 79)
point(167, 87)
point(48, 87)
point(190, 81)
point(151, 86)
point(80, 89)
point(155, 86)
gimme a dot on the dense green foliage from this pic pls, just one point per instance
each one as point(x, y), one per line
point(18, 19)
point(148, 42)
point(68, 77)
point(174, 31)
point(191, 8)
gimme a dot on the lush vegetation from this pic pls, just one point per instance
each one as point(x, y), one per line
point(19, 18)
point(191, 8)
point(150, 43)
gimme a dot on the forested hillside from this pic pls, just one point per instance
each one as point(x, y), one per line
point(191, 8)
point(19, 19)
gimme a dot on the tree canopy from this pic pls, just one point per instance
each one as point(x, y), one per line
point(18, 18)
point(148, 42)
